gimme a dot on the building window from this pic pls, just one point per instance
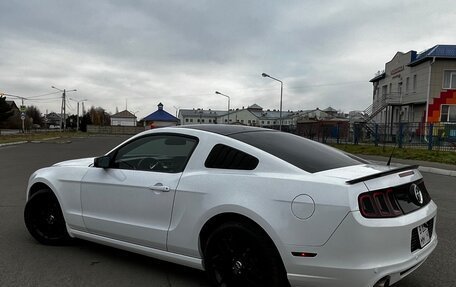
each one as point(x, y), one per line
point(249, 121)
point(391, 88)
point(191, 120)
point(449, 79)
point(210, 121)
point(226, 120)
point(186, 120)
point(384, 91)
point(262, 122)
point(202, 120)
point(414, 83)
point(268, 122)
point(448, 113)
point(407, 84)
point(198, 120)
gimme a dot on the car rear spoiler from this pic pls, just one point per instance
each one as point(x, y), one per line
point(383, 173)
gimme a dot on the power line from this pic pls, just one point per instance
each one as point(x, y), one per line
point(47, 94)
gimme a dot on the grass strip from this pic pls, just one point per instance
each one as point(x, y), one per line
point(404, 153)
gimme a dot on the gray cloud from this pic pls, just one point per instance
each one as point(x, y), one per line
point(180, 52)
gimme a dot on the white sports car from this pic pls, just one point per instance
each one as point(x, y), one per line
point(251, 206)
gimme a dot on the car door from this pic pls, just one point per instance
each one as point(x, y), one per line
point(132, 199)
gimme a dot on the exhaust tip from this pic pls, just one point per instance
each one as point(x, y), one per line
point(384, 282)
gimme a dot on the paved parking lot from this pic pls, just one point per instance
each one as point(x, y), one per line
point(24, 262)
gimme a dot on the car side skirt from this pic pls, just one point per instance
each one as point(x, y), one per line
point(188, 261)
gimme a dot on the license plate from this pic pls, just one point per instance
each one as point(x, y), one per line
point(423, 235)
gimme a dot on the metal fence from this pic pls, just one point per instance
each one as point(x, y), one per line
point(441, 136)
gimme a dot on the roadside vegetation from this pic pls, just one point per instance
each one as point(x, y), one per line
point(39, 136)
point(404, 153)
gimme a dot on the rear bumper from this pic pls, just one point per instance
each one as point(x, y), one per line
point(362, 251)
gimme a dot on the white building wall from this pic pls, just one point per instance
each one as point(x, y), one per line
point(239, 116)
point(126, 122)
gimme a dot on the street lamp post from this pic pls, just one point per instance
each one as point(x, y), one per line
point(63, 108)
point(177, 110)
point(281, 93)
point(229, 99)
point(77, 115)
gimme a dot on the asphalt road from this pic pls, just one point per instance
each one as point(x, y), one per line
point(24, 262)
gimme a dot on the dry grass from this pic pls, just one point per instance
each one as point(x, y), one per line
point(38, 136)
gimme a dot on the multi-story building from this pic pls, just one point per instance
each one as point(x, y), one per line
point(253, 115)
point(416, 87)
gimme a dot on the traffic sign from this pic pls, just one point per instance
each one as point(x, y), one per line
point(23, 109)
point(22, 117)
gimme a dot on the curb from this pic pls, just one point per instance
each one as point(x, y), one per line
point(428, 169)
point(437, 171)
point(13, 143)
point(34, 141)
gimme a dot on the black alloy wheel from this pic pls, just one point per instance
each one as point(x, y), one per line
point(44, 219)
point(242, 255)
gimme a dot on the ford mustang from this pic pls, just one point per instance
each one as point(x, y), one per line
point(251, 206)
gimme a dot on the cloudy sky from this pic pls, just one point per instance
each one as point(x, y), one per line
point(180, 52)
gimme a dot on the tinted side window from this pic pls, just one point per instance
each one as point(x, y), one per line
point(225, 157)
point(306, 154)
point(161, 153)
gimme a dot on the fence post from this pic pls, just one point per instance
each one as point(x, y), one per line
point(376, 135)
point(338, 133)
point(430, 136)
point(355, 133)
point(401, 134)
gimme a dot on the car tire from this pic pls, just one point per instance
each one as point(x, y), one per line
point(241, 254)
point(44, 219)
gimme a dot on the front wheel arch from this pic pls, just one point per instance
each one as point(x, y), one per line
point(37, 187)
point(44, 218)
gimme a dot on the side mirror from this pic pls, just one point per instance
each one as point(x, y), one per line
point(102, 161)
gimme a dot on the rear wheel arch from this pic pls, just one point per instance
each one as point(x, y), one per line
point(240, 224)
point(217, 220)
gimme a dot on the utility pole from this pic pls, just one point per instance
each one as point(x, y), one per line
point(62, 111)
point(22, 116)
point(77, 116)
point(77, 119)
point(63, 107)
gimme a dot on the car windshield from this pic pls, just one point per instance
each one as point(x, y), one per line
point(306, 154)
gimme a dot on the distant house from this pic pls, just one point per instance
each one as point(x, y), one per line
point(160, 118)
point(52, 120)
point(123, 118)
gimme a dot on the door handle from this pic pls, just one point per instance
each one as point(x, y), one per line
point(160, 187)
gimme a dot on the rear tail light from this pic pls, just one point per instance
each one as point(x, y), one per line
point(378, 204)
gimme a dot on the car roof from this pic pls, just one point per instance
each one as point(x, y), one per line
point(226, 130)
